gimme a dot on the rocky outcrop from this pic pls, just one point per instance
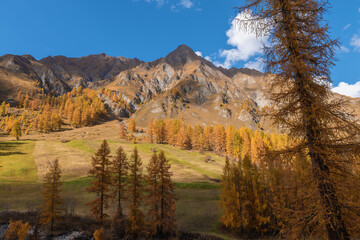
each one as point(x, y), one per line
point(91, 68)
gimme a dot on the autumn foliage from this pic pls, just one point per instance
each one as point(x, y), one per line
point(17, 230)
point(100, 171)
point(51, 208)
point(161, 196)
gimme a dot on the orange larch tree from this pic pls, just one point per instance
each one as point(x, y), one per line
point(135, 190)
point(100, 172)
point(51, 208)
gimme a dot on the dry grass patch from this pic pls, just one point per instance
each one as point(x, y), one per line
point(75, 162)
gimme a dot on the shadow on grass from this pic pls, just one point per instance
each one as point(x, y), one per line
point(10, 153)
point(9, 148)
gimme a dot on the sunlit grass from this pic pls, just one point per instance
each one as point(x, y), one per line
point(17, 161)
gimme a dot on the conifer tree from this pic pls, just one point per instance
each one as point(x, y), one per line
point(100, 171)
point(301, 55)
point(173, 130)
point(246, 146)
point(161, 197)
point(153, 189)
point(150, 132)
point(17, 230)
point(119, 170)
point(229, 202)
point(182, 138)
point(2, 109)
point(230, 130)
point(220, 138)
point(159, 131)
point(208, 138)
point(76, 118)
point(20, 98)
point(123, 131)
point(197, 138)
point(51, 210)
point(132, 125)
point(166, 225)
point(135, 194)
point(26, 101)
point(245, 210)
point(16, 130)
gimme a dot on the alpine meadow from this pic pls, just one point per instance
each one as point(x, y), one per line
point(252, 136)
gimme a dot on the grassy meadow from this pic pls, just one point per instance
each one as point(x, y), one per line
point(23, 164)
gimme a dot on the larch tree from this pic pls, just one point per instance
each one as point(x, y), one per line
point(153, 189)
point(229, 200)
point(2, 109)
point(132, 125)
point(230, 130)
point(208, 138)
point(51, 208)
point(16, 130)
point(300, 55)
point(100, 172)
point(119, 169)
point(220, 138)
point(242, 199)
point(17, 230)
point(159, 131)
point(135, 190)
point(123, 131)
point(149, 132)
point(161, 197)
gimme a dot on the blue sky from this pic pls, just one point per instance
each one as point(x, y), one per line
point(149, 29)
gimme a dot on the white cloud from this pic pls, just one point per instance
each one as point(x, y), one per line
point(246, 44)
point(158, 2)
point(258, 64)
point(351, 90)
point(198, 53)
point(346, 26)
point(208, 58)
point(186, 3)
point(355, 42)
point(201, 55)
point(344, 49)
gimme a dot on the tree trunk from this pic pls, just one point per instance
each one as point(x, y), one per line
point(335, 225)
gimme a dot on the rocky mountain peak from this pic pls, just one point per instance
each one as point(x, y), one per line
point(180, 56)
point(231, 72)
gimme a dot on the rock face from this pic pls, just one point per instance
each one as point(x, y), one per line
point(26, 74)
point(92, 68)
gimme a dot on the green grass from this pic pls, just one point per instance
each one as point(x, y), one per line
point(196, 204)
point(197, 185)
point(82, 145)
point(189, 159)
point(17, 162)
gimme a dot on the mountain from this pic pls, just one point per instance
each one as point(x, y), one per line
point(180, 85)
point(26, 74)
point(184, 85)
point(92, 68)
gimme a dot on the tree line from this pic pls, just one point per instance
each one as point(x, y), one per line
point(235, 143)
point(46, 113)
